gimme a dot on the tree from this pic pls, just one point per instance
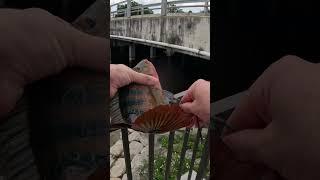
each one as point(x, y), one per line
point(133, 4)
point(173, 9)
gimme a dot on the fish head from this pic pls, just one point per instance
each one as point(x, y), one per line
point(146, 67)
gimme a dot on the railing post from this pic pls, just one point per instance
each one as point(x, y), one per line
point(128, 8)
point(142, 10)
point(152, 52)
point(206, 9)
point(163, 7)
point(132, 53)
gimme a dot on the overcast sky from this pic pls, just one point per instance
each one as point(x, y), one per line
point(196, 9)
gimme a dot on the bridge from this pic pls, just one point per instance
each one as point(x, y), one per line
point(187, 33)
point(173, 31)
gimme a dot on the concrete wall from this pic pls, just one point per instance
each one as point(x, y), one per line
point(191, 31)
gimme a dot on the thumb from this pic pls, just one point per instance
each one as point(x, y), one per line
point(90, 51)
point(248, 145)
point(145, 79)
point(187, 107)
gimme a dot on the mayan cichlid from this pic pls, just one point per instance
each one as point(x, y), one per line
point(133, 100)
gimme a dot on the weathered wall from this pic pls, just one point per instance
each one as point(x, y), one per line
point(191, 31)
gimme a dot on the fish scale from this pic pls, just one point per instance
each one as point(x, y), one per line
point(145, 108)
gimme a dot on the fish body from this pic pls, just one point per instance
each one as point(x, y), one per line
point(146, 108)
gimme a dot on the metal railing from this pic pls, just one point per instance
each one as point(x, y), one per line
point(185, 50)
point(164, 6)
point(203, 161)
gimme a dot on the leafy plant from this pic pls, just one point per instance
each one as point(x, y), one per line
point(160, 159)
point(146, 10)
point(173, 9)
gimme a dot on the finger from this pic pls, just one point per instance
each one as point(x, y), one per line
point(187, 97)
point(187, 107)
point(252, 111)
point(248, 145)
point(143, 78)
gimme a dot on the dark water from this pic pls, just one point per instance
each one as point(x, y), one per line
point(176, 72)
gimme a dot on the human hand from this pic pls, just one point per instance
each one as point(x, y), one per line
point(197, 101)
point(277, 124)
point(35, 44)
point(121, 75)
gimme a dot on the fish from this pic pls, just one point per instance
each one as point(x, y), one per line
point(148, 109)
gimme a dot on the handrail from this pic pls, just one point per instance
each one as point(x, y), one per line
point(177, 48)
point(164, 6)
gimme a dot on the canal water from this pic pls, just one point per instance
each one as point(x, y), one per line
point(176, 72)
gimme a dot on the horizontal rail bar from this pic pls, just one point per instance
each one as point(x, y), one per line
point(159, 4)
point(118, 3)
point(137, 10)
point(189, 6)
point(171, 2)
point(187, 1)
point(182, 49)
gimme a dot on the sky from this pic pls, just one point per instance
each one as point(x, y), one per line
point(195, 9)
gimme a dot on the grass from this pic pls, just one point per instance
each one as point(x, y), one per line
point(160, 159)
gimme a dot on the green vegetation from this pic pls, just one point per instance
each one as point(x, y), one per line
point(173, 9)
point(160, 158)
point(133, 4)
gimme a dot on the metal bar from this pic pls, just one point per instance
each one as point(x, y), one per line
point(121, 11)
point(183, 152)
point(171, 2)
point(152, 52)
point(121, 2)
point(186, 6)
point(154, 4)
point(151, 155)
point(194, 153)
point(164, 7)
point(206, 10)
point(132, 53)
point(136, 10)
point(126, 151)
point(226, 103)
point(185, 50)
point(187, 1)
point(204, 160)
point(128, 8)
point(169, 155)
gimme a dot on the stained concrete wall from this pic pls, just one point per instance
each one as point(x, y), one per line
point(186, 30)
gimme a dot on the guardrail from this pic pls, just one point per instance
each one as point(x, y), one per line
point(203, 161)
point(164, 6)
point(176, 48)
